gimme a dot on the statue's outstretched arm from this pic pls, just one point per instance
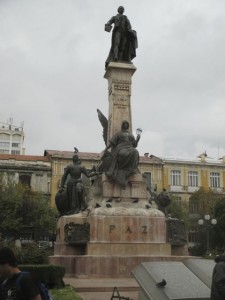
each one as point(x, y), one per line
point(108, 147)
point(139, 131)
point(103, 120)
point(138, 138)
point(111, 21)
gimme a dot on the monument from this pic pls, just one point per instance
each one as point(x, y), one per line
point(70, 198)
point(120, 228)
point(124, 39)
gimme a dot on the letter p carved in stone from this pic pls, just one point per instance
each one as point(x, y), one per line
point(111, 228)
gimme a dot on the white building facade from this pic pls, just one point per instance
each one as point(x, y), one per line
point(11, 139)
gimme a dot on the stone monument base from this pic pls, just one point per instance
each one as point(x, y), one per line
point(98, 266)
point(111, 241)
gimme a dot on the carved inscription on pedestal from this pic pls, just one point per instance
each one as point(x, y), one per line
point(121, 87)
point(121, 100)
point(176, 233)
point(77, 234)
point(121, 106)
point(128, 230)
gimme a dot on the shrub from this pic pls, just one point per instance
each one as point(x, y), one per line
point(50, 275)
point(31, 254)
point(197, 250)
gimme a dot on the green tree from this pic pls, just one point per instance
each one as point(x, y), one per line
point(20, 208)
point(178, 210)
point(204, 201)
point(201, 203)
point(219, 229)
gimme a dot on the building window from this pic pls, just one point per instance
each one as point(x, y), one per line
point(62, 168)
point(178, 200)
point(49, 187)
point(4, 136)
point(15, 144)
point(25, 179)
point(193, 235)
point(15, 152)
point(39, 182)
point(214, 180)
point(4, 144)
point(193, 207)
point(148, 179)
point(4, 151)
point(175, 177)
point(16, 137)
point(192, 178)
point(55, 167)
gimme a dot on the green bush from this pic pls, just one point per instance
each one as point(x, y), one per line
point(35, 261)
point(197, 250)
point(50, 275)
point(30, 254)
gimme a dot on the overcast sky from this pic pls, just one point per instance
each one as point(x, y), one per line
point(52, 55)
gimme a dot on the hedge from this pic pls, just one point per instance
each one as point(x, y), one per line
point(50, 275)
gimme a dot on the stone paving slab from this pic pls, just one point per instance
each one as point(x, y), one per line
point(107, 295)
point(102, 288)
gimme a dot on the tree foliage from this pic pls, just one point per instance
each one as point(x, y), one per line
point(20, 208)
point(178, 210)
point(204, 201)
point(209, 203)
point(219, 230)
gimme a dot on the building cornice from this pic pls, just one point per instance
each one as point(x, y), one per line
point(25, 168)
point(217, 164)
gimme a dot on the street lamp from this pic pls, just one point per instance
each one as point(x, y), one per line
point(207, 223)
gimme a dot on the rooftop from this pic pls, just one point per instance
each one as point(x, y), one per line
point(24, 157)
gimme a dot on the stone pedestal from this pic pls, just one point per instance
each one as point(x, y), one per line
point(127, 235)
point(135, 189)
point(66, 243)
point(120, 229)
point(119, 88)
point(120, 238)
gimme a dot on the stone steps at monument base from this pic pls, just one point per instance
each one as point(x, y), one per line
point(114, 249)
point(127, 249)
point(97, 266)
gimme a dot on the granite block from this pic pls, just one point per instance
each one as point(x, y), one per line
point(181, 283)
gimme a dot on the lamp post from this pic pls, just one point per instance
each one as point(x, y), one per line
point(207, 223)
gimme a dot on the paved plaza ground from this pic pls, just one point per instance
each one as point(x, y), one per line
point(102, 288)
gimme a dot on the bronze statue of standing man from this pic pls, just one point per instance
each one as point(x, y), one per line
point(70, 198)
point(124, 39)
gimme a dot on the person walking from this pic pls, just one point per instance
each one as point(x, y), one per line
point(10, 275)
point(218, 279)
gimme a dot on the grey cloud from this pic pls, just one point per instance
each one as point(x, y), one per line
point(52, 57)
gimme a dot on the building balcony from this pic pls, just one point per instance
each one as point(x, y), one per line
point(177, 188)
point(192, 189)
point(184, 188)
point(218, 190)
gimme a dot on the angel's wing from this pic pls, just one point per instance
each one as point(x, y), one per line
point(75, 150)
point(104, 123)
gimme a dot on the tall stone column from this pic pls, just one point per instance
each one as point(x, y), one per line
point(119, 87)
